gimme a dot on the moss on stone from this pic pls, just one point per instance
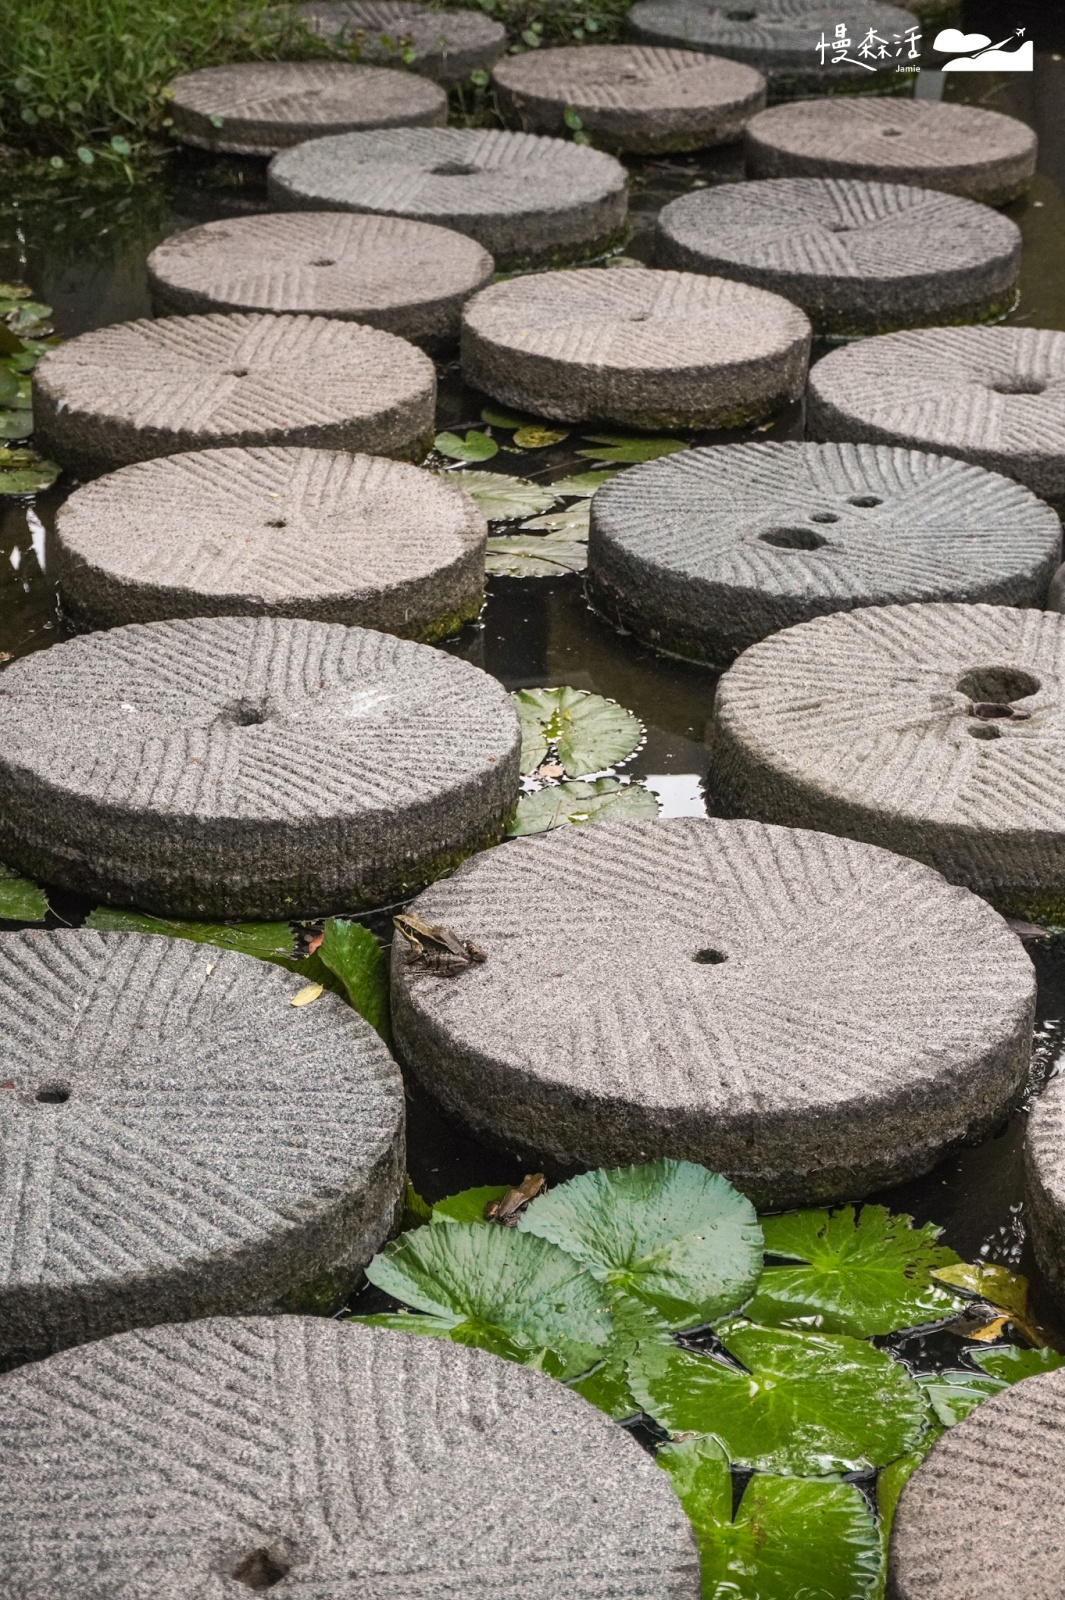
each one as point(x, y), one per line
point(965, 316)
point(451, 623)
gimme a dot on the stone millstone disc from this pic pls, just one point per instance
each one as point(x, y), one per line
point(779, 38)
point(250, 766)
point(810, 1016)
point(386, 272)
point(445, 45)
point(964, 150)
point(631, 97)
point(857, 257)
point(142, 389)
point(643, 348)
point(178, 1140)
point(862, 723)
point(986, 1502)
point(1044, 1183)
point(705, 552)
point(530, 201)
point(994, 396)
point(256, 108)
point(285, 533)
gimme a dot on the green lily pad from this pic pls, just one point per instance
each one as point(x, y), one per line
point(501, 1290)
point(607, 1385)
point(496, 417)
point(586, 731)
point(415, 1209)
point(265, 940)
point(468, 1206)
point(627, 450)
point(863, 1273)
point(9, 387)
point(408, 1322)
point(790, 1539)
point(669, 1233)
point(1010, 1363)
point(952, 1395)
point(16, 424)
point(999, 1287)
point(501, 498)
point(537, 438)
point(351, 952)
point(571, 522)
point(583, 483)
point(10, 344)
point(574, 804)
point(21, 900)
point(534, 556)
point(15, 291)
point(808, 1403)
point(28, 479)
point(475, 447)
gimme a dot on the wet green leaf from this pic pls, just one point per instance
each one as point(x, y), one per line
point(534, 556)
point(536, 438)
point(863, 1273)
point(791, 1538)
point(586, 731)
point(407, 1322)
point(9, 344)
point(607, 1385)
point(571, 117)
point(15, 291)
point(475, 447)
point(21, 900)
point(628, 450)
point(669, 1233)
point(15, 424)
point(415, 1209)
point(500, 498)
point(497, 418)
point(997, 1285)
point(605, 800)
point(582, 483)
point(468, 1206)
point(25, 472)
point(1011, 1363)
point(9, 388)
point(351, 952)
point(569, 522)
point(808, 1403)
point(952, 1395)
point(265, 940)
point(501, 1290)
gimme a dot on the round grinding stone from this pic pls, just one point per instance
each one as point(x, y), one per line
point(779, 38)
point(994, 396)
point(445, 45)
point(813, 1017)
point(387, 272)
point(631, 97)
point(286, 533)
point(142, 389)
point(530, 201)
point(250, 766)
point(328, 1458)
point(643, 348)
point(934, 730)
point(857, 257)
point(255, 108)
point(705, 552)
point(1044, 1183)
point(987, 1501)
point(178, 1140)
point(963, 150)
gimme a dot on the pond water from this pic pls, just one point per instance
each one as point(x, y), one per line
point(84, 253)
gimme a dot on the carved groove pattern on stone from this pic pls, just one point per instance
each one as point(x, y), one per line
point(467, 38)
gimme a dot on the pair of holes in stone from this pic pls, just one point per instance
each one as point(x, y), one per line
point(709, 957)
point(994, 690)
point(805, 538)
point(52, 1094)
point(259, 1570)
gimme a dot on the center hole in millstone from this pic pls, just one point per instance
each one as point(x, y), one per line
point(866, 501)
point(824, 516)
point(1017, 386)
point(276, 522)
point(454, 169)
point(839, 227)
point(324, 261)
point(998, 686)
point(892, 133)
point(52, 1094)
point(739, 15)
point(709, 957)
point(793, 538)
point(243, 714)
point(238, 372)
point(259, 1570)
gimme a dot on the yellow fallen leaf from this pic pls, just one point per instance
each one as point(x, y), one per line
point(308, 994)
point(990, 1331)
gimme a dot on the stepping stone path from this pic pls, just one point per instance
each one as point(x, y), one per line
point(778, 37)
point(445, 45)
point(705, 552)
point(631, 97)
point(934, 730)
point(286, 533)
point(963, 150)
point(857, 257)
point(256, 108)
point(250, 766)
point(386, 272)
point(141, 389)
point(339, 1459)
point(530, 201)
point(179, 1140)
point(994, 396)
point(1044, 1182)
point(810, 1016)
point(642, 348)
point(986, 1501)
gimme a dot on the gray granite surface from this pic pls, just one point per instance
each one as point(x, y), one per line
point(444, 45)
point(1044, 1183)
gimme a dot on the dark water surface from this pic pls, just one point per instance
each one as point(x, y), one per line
point(84, 254)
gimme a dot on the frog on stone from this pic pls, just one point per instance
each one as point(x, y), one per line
point(437, 948)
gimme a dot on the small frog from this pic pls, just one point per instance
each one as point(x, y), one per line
point(509, 1207)
point(442, 951)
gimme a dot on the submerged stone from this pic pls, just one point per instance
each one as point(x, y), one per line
point(814, 1018)
point(963, 150)
point(445, 45)
point(255, 108)
point(530, 201)
point(643, 348)
point(630, 97)
point(1044, 1183)
point(288, 533)
point(934, 730)
point(136, 390)
point(250, 766)
point(993, 396)
point(705, 552)
point(178, 1140)
point(857, 257)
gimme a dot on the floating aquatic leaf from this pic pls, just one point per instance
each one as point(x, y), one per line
point(628, 450)
point(952, 1395)
point(308, 994)
point(668, 1232)
point(587, 731)
point(999, 1287)
point(25, 472)
point(863, 1274)
point(415, 1209)
point(500, 498)
point(351, 952)
point(475, 447)
point(15, 291)
point(991, 1331)
point(572, 522)
point(497, 418)
point(16, 424)
point(790, 1539)
point(583, 483)
point(21, 900)
point(501, 1290)
point(266, 940)
point(10, 344)
point(469, 1205)
point(1011, 1363)
point(9, 387)
point(534, 556)
point(574, 804)
point(607, 1385)
point(808, 1403)
point(537, 438)
point(409, 1322)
